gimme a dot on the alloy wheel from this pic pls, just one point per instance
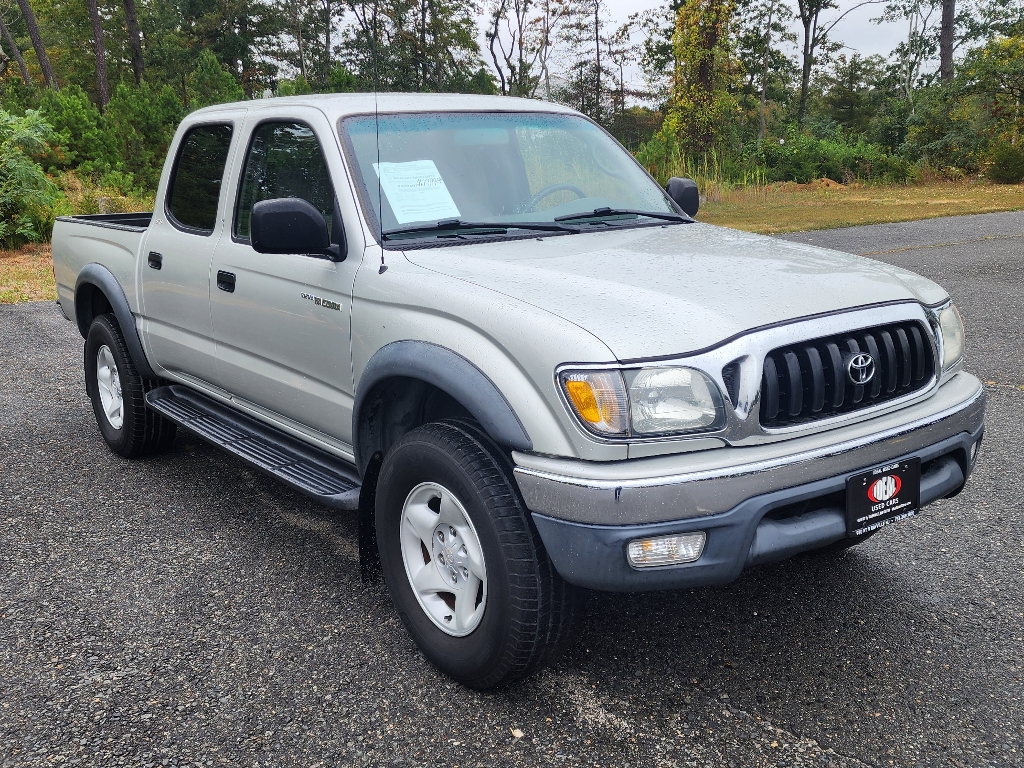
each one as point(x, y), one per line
point(443, 559)
point(109, 385)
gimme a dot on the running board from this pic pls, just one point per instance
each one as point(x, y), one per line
point(328, 479)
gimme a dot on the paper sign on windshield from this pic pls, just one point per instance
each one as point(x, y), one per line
point(416, 191)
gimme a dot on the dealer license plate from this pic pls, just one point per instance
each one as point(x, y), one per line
point(882, 496)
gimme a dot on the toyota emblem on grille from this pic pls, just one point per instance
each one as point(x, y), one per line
point(860, 369)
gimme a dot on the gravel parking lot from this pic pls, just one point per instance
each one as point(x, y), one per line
point(187, 611)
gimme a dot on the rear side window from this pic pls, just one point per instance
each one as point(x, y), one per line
point(198, 173)
point(284, 160)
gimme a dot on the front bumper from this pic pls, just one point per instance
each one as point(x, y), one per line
point(768, 503)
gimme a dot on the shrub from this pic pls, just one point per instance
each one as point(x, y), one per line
point(111, 195)
point(141, 122)
point(714, 173)
point(81, 139)
point(804, 158)
point(1007, 163)
point(211, 84)
point(341, 80)
point(27, 196)
point(947, 128)
point(297, 87)
point(800, 157)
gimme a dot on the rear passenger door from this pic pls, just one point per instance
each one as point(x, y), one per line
point(175, 272)
point(281, 321)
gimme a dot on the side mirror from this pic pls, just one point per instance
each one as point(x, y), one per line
point(685, 194)
point(291, 225)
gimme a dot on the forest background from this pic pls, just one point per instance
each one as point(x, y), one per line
point(91, 90)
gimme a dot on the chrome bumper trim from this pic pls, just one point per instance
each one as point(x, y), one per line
point(682, 495)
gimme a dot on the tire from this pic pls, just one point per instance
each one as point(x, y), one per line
point(132, 430)
point(504, 626)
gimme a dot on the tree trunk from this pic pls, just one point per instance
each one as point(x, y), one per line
point(704, 78)
point(244, 60)
point(302, 51)
point(497, 15)
point(13, 45)
point(131, 18)
point(102, 84)
point(764, 72)
point(37, 44)
point(908, 81)
point(597, 52)
point(422, 55)
point(946, 40)
point(809, 22)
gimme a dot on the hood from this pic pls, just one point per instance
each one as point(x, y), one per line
point(671, 290)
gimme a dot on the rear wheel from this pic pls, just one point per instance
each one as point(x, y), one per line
point(117, 392)
point(462, 560)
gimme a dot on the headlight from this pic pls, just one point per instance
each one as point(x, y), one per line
point(666, 400)
point(952, 329)
point(658, 401)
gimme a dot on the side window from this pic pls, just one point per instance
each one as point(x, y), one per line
point(198, 172)
point(284, 160)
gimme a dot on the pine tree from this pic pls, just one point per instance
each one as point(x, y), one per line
point(37, 43)
point(100, 51)
point(12, 44)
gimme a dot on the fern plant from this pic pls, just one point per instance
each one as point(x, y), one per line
point(27, 195)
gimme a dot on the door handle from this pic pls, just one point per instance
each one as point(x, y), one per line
point(226, 281)
point(156, 260)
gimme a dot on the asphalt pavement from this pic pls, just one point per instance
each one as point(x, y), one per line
point(187, 611)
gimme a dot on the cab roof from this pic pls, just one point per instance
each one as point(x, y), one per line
point(337, 105)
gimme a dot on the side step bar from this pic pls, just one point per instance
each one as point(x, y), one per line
point(328, 479)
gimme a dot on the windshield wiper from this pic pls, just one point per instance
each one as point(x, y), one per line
point(457, 225)
point(600, 213)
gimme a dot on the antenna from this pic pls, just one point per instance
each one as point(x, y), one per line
point(376, 127)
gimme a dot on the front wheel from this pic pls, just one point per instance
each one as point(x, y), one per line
point(462, 560)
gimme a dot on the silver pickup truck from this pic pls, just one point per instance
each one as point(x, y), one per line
point(481, 326)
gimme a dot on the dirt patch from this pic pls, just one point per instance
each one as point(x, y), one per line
point(27, 275)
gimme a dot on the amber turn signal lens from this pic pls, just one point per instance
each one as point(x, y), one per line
point(584, 400)
point(599, 399)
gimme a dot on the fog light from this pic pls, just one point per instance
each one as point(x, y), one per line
point(666, 550)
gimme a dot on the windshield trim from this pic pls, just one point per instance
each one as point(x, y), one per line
point(371, 218)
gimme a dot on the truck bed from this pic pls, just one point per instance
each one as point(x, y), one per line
point(133, 222)
point(110, 239)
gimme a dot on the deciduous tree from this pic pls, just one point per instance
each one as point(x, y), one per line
point(701, 100)
point(415, 45)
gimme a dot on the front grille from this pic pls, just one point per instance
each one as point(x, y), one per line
point(809, 381)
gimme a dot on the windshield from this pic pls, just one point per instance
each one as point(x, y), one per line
point(451, 169)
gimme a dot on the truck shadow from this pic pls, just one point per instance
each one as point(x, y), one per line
point(844, 649)
point(850, 650)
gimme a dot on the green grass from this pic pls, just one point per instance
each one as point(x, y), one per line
point(826, 205)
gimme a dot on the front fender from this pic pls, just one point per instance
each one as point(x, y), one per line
point(450, 372)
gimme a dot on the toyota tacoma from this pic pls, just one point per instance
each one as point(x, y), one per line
point(482, 327)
